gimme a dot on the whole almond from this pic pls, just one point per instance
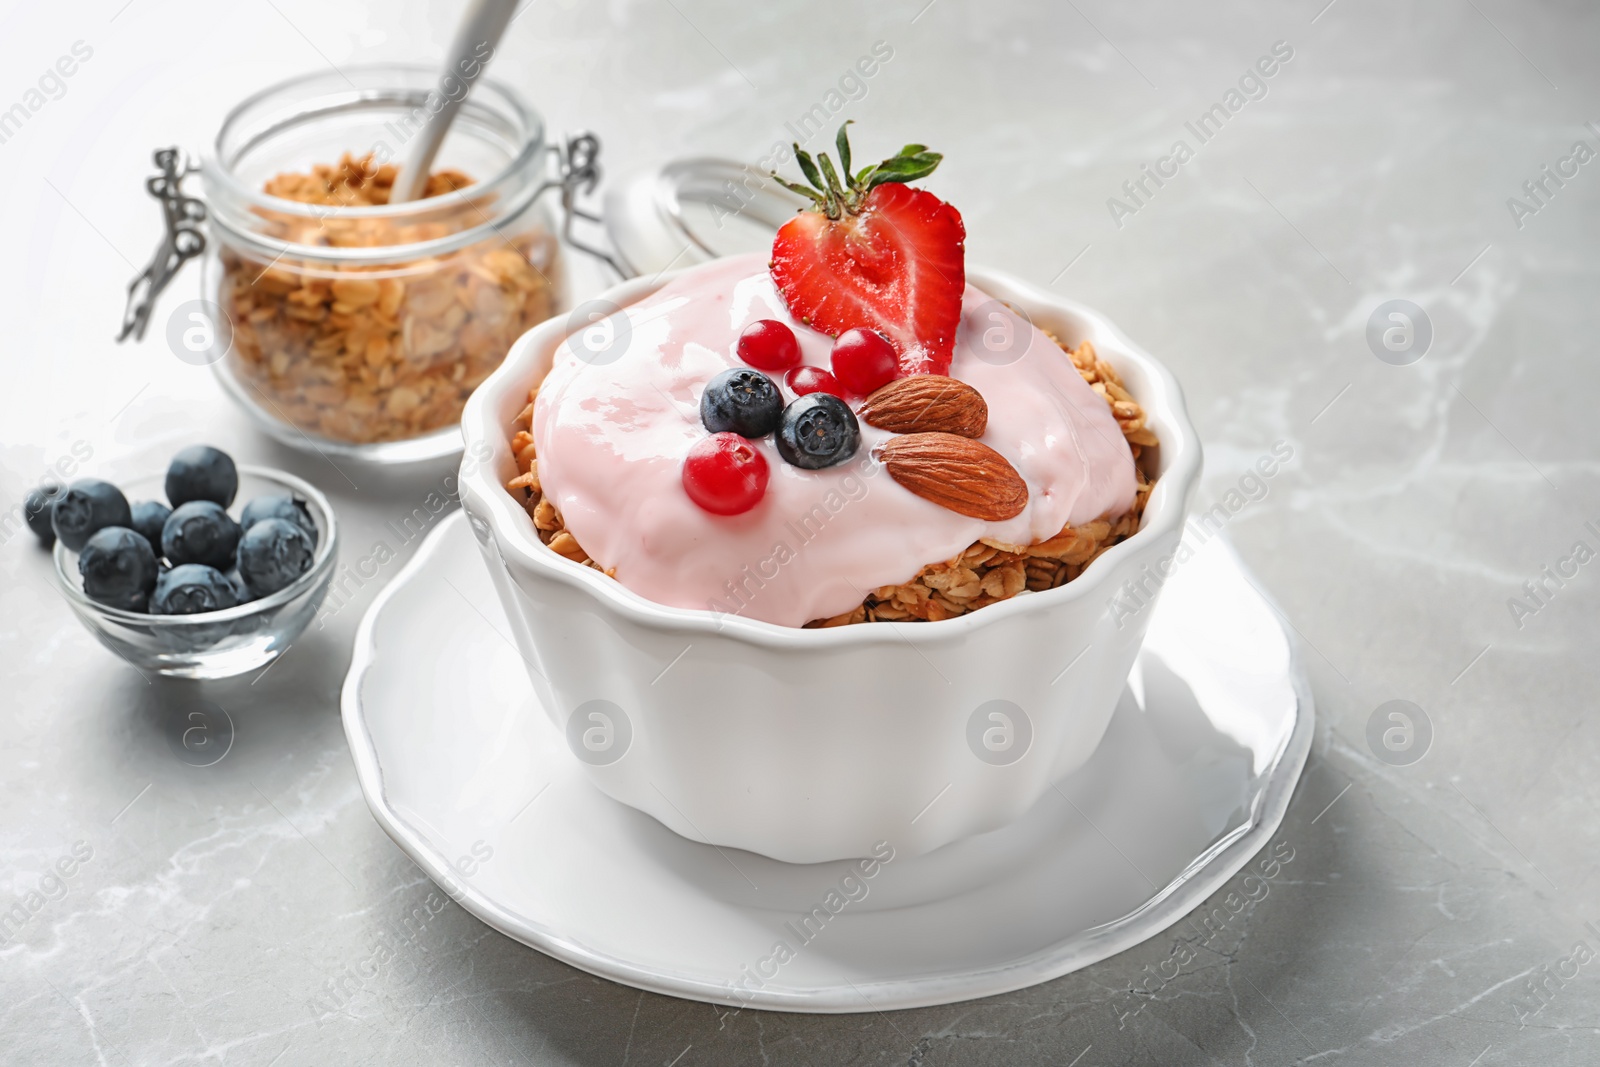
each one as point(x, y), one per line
point(957, 473)
point(927, 403)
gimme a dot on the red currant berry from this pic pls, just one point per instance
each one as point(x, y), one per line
point(864, 360)
point(725, 474)
point(803, 380)
point(768, 344)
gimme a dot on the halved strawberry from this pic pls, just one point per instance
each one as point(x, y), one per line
point(878, 254)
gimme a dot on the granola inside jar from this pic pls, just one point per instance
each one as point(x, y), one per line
point(359, 326)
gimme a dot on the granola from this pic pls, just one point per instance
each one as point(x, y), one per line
point(369, 353)
point(986, 572)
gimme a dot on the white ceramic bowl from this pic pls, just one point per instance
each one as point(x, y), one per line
point(814, 745)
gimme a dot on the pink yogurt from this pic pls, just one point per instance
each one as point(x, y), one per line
point(612, 433)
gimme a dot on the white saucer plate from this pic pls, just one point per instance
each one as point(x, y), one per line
point(469, 776)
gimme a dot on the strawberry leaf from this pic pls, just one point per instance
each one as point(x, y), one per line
point(809, 168)
point(838, 192)
point(796, 187)
point(834, 188)
point(904, 168)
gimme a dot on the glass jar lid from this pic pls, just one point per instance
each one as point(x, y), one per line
point(690, 211)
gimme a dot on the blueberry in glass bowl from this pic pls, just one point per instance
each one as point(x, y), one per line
point(273, 553)
point(200, 531)
point(39, 510)
point(278, 507)
point(87, 506)
point(192, 589)
point(208, 621)
point(119, 568)
point(148, 518)
point(201, 472)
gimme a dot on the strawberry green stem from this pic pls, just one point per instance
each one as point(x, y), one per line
point(834, 197)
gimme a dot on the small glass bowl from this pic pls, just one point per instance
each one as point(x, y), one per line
point(217, 644)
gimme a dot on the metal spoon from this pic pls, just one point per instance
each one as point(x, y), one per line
point(482, 25)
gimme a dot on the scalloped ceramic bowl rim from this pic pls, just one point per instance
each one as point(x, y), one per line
point(483, 496)
point(321, 563)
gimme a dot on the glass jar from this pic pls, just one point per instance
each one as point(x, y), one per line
point(360, 328)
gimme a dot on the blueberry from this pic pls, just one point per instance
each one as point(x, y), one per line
point(37, 508)
point(199, 532)
point(148, 518)
point(279, 507)
point(818, 431)
point(118, 567)
point(191, 588)
point(201, 472)
point(743, 401)
point(88, 505)
point(241, 588)
point(273, 553)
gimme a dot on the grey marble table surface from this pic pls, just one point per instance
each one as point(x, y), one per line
point(1431, 538)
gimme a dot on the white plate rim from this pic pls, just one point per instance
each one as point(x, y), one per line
point(1203, 876)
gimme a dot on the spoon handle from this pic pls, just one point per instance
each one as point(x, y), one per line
point(482, 25)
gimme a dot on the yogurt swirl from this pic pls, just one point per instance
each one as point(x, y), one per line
point(611, 436)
